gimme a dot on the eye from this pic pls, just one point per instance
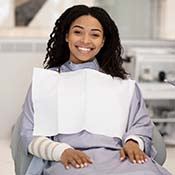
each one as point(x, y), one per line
point(95, 35)
point(77, 32)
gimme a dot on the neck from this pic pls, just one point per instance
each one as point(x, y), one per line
point(81, 62)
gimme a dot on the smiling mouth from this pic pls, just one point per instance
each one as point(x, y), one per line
point(84, 49)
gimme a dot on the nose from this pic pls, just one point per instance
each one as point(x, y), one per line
point(85, 38)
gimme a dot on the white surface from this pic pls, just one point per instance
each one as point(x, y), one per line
point(75, 91)
point(157, 91)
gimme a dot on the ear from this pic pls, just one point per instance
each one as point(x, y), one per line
point(103, 42)
point(66, 38)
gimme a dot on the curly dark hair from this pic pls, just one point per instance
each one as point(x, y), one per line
point(109, 57)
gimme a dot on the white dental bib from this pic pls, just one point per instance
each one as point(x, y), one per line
point(69, 102)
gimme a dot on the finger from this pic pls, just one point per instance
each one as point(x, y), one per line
point(66, 165)
point(86, 161)
point(131, 157)
point(145, 157)
point(122, 154)
point(142, 157)
point(81, 159)
point(138, 157)
point(85, 158)
point(89, 160)
point(78, 160)
point(74, 163)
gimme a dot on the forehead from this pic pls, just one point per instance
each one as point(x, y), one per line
point(87, 21)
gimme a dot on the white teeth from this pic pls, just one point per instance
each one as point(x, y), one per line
point(84, 49)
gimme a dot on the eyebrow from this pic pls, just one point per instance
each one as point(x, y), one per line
point(83, 28)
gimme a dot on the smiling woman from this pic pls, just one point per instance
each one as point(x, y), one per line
point(82, 112)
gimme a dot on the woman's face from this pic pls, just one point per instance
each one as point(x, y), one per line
point(85, 39)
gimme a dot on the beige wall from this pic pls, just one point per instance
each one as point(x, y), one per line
point(15, 77)
point(167, 20)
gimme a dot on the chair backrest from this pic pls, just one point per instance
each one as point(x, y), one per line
point(21, 160)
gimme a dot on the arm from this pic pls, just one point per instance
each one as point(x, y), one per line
point(44, 147)
point(47, 149)
point(139, 129)
point(37, 146)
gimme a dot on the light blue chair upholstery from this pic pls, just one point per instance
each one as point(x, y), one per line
point(160, 146)
point(21, 161)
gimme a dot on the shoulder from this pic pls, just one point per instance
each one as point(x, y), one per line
point(138, 91)
point(133, 86)
point(127, 81)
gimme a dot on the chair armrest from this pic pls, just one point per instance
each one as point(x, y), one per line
point(159, 145)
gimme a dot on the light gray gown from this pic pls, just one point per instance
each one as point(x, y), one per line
point(103, 150)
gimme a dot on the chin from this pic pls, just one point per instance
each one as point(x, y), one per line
point(87, 59)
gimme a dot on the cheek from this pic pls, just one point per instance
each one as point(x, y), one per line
point(71, 41)
point(70, 38)
point(99, 45)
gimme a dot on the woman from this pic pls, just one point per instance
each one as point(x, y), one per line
point(87, 38)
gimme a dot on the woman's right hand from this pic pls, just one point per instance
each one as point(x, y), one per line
point(75, 158)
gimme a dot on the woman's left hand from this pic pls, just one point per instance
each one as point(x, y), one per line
point(133, 152)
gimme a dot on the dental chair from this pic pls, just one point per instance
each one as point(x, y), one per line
point(22, 162)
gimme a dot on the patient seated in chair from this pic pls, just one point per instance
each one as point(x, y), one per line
point(83, 115)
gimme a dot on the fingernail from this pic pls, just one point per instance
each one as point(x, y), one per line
point(85, 164)
point(82, 166)
point(91, 160)
point(134, 161)
point(146, 160)
point(121, 158)
point(140, 161)
point(143, 161)
point(67, 167)
point(77, 166)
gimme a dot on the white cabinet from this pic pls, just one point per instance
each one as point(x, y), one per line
point(156, 90)
point(151, 68)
